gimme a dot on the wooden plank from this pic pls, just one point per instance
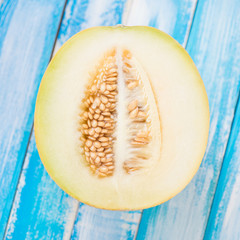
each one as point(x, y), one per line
point(27, 35)
point(171, 16)
point(82, 14)
point(41, 210)
point(224, 220)
point(92, 223)
point(214, 46)
point(1, 1)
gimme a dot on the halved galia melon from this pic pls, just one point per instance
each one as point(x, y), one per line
point(122, 117)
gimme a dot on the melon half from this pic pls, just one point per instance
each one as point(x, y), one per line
point(122, 117)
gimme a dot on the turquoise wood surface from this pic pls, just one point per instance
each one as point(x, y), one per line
point(41, 210)
point(32, 206)
point(27, 33)
point(224, 220)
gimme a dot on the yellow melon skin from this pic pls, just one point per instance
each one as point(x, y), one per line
point(182, 106)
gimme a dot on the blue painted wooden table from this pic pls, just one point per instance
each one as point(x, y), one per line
point(32, 206)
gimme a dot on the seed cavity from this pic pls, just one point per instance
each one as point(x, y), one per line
point(99, 116)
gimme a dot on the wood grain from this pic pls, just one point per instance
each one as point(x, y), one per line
point(27, 35)
point(92, 223)
point(214, 46)
point(41, 210)
point(171, 16)
point(224, 220)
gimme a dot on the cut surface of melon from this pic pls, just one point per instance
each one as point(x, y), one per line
point(122, 117)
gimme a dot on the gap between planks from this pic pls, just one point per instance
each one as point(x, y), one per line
point(191, 25)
